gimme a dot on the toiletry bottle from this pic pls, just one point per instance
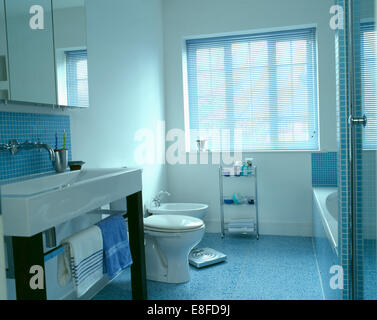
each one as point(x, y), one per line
point(249, 167)
point(244, 170)
point(237, 168)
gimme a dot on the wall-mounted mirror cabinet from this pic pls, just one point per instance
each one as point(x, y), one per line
point(46, 56)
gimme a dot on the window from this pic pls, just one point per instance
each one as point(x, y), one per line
point(368, 83)
point(254, 92)
point(77, 78)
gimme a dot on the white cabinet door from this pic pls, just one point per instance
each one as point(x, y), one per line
point(31, 51)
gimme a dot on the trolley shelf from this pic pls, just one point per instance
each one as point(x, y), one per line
point(238, 177)
point(242, 230)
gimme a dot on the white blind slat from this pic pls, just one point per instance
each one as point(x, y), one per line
point(368, 83)
point(261, 89)
point(77, 78)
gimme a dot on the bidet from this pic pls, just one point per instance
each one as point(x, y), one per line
point(196, 210)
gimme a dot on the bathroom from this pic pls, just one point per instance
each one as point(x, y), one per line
point(139, 54)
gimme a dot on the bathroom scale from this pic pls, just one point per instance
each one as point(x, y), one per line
point(204, 257)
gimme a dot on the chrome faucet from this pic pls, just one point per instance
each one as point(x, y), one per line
point(157, 199)
point(4, 147)
point(14, 147)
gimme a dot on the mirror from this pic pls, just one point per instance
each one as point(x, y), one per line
point(71, 52)
point(46, 58)
point(30, 51)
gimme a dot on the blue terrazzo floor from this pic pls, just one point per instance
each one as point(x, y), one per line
point(369, 270)
point(272, 268)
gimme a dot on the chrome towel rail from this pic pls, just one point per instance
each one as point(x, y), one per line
point(99, 211)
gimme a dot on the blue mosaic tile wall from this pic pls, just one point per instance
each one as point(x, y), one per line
point(324, 169)
point(351, 256)
point(358, 252)
point(344, 179)
point(27, 126)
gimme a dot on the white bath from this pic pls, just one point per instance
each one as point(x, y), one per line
point(325, 200)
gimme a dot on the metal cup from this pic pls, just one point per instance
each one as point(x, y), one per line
point(61, 160)
point(202, 145)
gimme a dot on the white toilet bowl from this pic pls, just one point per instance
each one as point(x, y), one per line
point(168, 242)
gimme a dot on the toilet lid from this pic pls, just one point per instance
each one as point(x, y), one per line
point(172, 222)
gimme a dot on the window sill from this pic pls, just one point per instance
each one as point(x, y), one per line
point(260, 151)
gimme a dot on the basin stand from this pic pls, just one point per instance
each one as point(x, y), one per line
point(136, 234)
point(28, 252)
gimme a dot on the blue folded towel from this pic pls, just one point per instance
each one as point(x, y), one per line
point(116, 249)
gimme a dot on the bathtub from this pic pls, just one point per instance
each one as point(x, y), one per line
point(325, 236)
point(325, 203)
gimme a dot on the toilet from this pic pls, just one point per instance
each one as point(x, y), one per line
point(168, 242)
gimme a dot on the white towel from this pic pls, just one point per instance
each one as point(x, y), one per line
point(82, 260)
point(241, 223)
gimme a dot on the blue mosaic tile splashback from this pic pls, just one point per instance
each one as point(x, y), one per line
point(27, 126)
point(324, 169)
point(344, 179)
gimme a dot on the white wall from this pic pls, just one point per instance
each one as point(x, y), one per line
point(284, 192)
point(125, 61)
point(285, 177)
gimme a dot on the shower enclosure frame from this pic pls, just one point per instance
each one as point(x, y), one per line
point(351, 122)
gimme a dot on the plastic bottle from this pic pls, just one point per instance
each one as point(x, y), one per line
point(244, 170)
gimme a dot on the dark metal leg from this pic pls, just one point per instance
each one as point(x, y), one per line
point(136, 232)
point(28, 252)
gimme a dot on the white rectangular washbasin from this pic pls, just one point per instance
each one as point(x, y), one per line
point(37, 203)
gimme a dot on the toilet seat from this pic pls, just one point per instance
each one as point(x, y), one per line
point(172, 223)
